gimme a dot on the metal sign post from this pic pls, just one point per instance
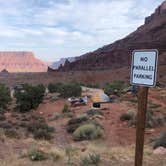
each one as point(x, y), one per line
point(143, 74)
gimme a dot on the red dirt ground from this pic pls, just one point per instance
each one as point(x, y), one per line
point(116, 131)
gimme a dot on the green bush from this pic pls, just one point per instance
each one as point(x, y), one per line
point(41, 130)
point(116, 88)
point(66, 109)
point(130, 115)
point(161, 141)
point(70, 151)
point(151, 120)
point(93, 112)
point(2, 117)
point(87, 132)
point(152, 105)
point(74, 123)
point(66, 90)
point(11, 133)
point(55, 88)
point(4, 96)
point(37, 155)
point(55, 116)
point(91, 159)
point(71, 90)
point(29, 97)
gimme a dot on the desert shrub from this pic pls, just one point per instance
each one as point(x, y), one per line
point(93, 85)
point(55, 87)
point(2, 110)
point(160, 84)
point(70, 151)
point(11, 133)
point(161, 141)
point(29, 97)
point(74, 123)
point(66, 109)
point(71, 90)
point(2, 117)
point(87, 132)
point(68, 115)
point(42, 134)
point(153, 105)
point(5, 125)
point(151, 120)
point(54, 98)
point(55, 116)
point(4, 97)
point(66, 90)
point(130, 115)
point(116, 88)
point(91, 159)
point(93, 112)
point(37, 155)
point(79, 119)
point(40, 130)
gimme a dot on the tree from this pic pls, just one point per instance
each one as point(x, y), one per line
point(29, 97)
point(4, 96)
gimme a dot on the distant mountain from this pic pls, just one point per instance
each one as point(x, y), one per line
point(151, 35)
point(20, 61)
point(62, 61)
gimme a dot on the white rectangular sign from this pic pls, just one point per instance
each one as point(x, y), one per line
point(144, 67)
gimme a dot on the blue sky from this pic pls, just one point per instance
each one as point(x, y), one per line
point(54, 29)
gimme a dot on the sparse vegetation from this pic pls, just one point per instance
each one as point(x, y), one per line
point(130, 115)
point(37, 155)
point(151, 120)
point(55, 116)
point(66, 90)
point(41, 130)
point(161, 141)
point(116, 88)
point(74, 123)
point(88, 132)
point(29, 97)
point(55, 87)
point(93, 112)
point(2, 117)
point(71, 90)
point(66, 109)
point(11, 133)
point(91, 159)
point(70, 151)
point(152, 105)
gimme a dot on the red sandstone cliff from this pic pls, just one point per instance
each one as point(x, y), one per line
point(18, 61)
point(151, 35)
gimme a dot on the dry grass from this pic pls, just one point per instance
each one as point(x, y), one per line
point(16, 153)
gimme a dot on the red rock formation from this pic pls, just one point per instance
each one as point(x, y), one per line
point(151, 35)
point(18, 61)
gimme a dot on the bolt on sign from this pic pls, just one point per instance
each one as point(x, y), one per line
point(144, 67)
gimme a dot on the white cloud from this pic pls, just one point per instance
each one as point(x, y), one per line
point(68, 27)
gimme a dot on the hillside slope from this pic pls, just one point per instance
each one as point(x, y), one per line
point(18, 61)
point(151, 35)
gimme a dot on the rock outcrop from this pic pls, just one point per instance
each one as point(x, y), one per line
point(151, 35)
point(62, 61)
point(17, 61)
